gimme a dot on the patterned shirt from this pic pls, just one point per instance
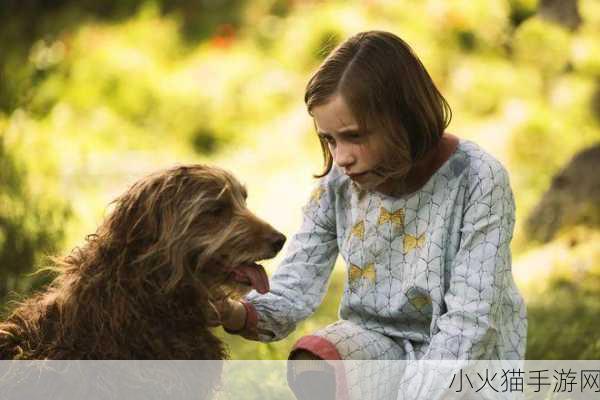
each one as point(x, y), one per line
point(431, 269)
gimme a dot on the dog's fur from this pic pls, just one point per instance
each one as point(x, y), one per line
point(144, 285)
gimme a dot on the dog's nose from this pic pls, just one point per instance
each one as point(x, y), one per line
point(277, 241)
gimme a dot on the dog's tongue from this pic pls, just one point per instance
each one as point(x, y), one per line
point(255, 275)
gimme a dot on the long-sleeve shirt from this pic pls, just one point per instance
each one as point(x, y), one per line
point(431, 268)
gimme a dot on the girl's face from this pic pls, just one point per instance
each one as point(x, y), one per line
point(357, 153)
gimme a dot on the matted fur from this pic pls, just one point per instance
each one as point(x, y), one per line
point(142, 286)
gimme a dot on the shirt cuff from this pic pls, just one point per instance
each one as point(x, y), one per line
point(249, 330)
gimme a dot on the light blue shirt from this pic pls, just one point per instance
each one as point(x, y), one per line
point(431, 269)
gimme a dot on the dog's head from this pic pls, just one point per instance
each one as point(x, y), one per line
point(189, 227)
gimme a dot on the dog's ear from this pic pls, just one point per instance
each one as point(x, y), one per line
point(132, 232)
point(130, 218)
point(143, 213)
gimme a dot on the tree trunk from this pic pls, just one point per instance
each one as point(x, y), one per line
point(572, 199)
point(563, 12)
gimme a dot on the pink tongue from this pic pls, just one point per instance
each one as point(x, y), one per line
point(255, 274)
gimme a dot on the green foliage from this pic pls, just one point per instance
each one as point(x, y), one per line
point(563, 313)
point(30, 227)
point(531, 143)
point(137, 79)
point(306, 41)
point(543, 44)
point(26, 22)
point(482, 96)
point(475, 24)
point(564, 325)
point(520, 10)
point(555, 128)
point(586, 51)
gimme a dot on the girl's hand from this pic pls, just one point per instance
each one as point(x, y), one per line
point(231, 314)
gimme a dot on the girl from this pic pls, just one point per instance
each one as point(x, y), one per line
point(422, 219)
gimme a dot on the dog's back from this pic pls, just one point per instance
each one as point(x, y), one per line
point(29, 328)
point(37, 332)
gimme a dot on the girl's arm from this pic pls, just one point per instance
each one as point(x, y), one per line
point(482, 300)
point(300, 282)
point(485, 317)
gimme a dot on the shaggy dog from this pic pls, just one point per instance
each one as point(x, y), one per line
point(145, 284)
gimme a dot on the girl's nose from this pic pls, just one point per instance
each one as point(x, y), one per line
point(343, 157)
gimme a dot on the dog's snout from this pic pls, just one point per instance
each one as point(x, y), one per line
point(277, 240)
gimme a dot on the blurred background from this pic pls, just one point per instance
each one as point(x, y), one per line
point(96, 94)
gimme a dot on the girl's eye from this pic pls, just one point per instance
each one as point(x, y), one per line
point(328, 139)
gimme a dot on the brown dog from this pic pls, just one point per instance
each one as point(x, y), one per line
point(145, 284)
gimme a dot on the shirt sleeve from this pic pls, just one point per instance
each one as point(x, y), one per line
point(300, 282)
point(481, 300)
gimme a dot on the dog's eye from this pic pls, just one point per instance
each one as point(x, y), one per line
point(218, 209)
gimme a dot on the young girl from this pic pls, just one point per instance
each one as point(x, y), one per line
point(422, 219)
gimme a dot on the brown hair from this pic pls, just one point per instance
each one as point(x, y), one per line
point(387, 89)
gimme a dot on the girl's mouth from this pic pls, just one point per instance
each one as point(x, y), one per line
point(358, 176)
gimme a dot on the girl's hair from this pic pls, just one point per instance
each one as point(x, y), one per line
point(388, 90)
